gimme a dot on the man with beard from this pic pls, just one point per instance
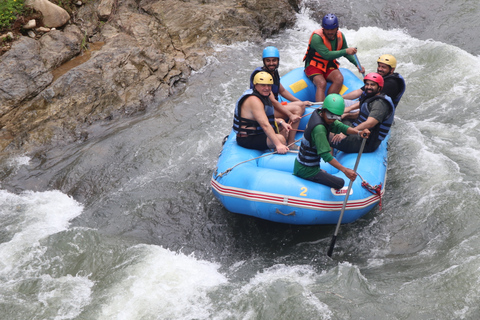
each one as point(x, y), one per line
point(377, 112)
point(394, 84)
point(315, 144)
point(325, 46)
point(291, 111)
point(254, 119)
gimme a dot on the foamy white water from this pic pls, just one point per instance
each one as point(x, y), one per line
point(143, 238)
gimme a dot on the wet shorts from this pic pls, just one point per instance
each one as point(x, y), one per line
point(312, 71)
point(257, 142)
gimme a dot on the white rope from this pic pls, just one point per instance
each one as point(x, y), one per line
point(263, 155)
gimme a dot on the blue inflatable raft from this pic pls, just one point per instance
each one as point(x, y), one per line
point(266, 188)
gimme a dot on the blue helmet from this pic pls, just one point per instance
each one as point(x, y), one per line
point(270, 52)
point(330, 21)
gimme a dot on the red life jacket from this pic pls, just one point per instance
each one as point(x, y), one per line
point(316, 59)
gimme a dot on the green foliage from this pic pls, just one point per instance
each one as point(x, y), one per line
point(10, 10)
point(84, 42)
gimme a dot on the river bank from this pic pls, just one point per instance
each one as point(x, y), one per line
point(144, 52)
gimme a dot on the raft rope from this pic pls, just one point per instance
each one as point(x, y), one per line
point(316, 108)
point(305, 115)
point(263, 155)
point(315, 105)
point(376, 189)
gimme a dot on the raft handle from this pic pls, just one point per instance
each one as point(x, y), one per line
point(285, 214)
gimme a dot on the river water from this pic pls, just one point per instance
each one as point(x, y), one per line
point(124, 225)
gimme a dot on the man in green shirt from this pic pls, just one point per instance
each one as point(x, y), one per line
point(325, 46)
point(315, 144)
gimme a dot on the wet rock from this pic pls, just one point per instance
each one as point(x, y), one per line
point(23, 74)
point(151, 48)
point(58, 46)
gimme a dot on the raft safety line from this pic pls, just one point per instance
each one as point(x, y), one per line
point(279, 199)
point(376, 190)
point(263, 155)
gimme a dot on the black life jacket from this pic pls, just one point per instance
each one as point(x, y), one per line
point(401, 83)
point(381, 130)
point(239, 123)
point(307, 155)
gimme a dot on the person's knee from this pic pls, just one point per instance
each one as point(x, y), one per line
point(328, 180)
point(336, 77)
point(320, 82)
point(301, 107)
point(298, 108)
point(280, 137)
point(338, 183)
point(372, 146)
point(337, 81)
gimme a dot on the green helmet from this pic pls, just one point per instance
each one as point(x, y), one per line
point(334, 103)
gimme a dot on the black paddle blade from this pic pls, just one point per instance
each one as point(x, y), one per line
point(332, 244)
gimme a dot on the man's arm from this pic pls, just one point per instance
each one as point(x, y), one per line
point(352, 111)
point(368, 124)
point(342, 130)
point(353, 95)
point(319, 46)
point(319, 136)
point(286, 94)
point(352, 175)
point(379, 111)
point(280, 107)
point(255, 108)
point(352, 107)
point(350, 52)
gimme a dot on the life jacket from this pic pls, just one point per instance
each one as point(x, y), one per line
point(307, 155)
point(316, 59)
point(401, 84)
point(239, 123)
point(381, 130)
point(276, 80)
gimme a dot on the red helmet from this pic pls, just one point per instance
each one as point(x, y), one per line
point(375, 77)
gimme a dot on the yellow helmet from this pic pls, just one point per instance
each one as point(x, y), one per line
point(263, 77)
point(388, 59)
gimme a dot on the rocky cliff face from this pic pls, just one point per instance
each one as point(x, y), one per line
point(144, 52)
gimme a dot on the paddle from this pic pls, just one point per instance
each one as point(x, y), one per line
point(334, 238)
point(358, 64)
